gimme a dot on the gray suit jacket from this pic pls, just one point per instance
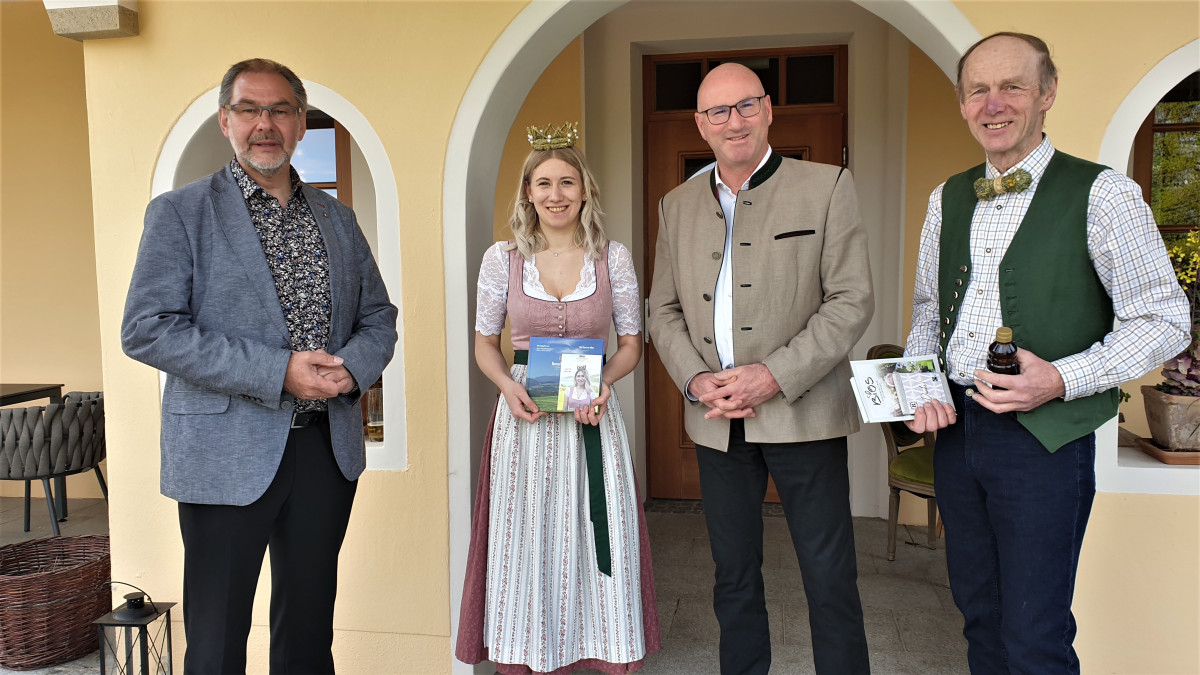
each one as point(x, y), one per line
point(202, 307)
point(802, 296)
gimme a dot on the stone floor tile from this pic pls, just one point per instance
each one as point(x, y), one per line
point(700, 555)
point(776, 529)
point(779, 553)
point(909, 615)
point(915, 562)
point(882, 633)
point(87, 516)
point(908, 663)
point(797, 631)
point(879, 624)
point(666, 615)
point(880, 590)
point(684, 658)
point(946, 598)
point(932, 632)
point(87, 665)
point(676, 525)
point(919, 534)
point(866, 564)
point(670, 551)
point(870, 536)
point(695, 622)
point(792, 660)
point(681, 581)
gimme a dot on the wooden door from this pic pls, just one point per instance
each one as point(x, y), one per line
point(674, 151)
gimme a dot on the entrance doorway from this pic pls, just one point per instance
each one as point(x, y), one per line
point(808, 89)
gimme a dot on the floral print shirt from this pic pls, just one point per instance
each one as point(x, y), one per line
point(299, 263)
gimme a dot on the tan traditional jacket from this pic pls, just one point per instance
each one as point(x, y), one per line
point(802, 295)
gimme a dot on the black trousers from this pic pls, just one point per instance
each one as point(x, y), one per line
point(302, 517)
point(814, 486)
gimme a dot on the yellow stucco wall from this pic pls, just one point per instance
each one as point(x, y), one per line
point(405, 66)
point(1137, 597)
point(49, 324)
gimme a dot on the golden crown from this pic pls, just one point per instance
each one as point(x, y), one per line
point(553, 137)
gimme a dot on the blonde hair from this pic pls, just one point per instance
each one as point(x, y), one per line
point(527, 232)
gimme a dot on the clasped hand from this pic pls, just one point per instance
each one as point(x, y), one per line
point(734, 392)
point(316, 374)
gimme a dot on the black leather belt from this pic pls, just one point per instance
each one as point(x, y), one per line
point(309, 418)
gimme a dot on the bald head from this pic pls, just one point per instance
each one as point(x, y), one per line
point(723, 77)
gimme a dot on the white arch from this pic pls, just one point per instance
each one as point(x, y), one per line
point(937, 27)
point(482, 122)
point(394, 454)
point(1118, 137)
point(1115, 150)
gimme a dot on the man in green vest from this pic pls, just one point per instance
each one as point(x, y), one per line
point(1052, 247)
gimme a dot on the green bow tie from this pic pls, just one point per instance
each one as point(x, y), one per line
point(1014, 181)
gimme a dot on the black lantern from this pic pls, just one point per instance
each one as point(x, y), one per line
point(136, 637)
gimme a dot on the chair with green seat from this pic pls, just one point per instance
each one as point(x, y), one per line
point(910, 464)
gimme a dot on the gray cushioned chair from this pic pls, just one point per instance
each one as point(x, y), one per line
point(45, 442)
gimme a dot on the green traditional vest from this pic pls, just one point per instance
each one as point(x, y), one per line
point(1049, 292)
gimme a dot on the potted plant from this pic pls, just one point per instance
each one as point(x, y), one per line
point(1173, 407)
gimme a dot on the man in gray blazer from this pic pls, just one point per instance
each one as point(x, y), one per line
point(259, 297)
point(753, 321)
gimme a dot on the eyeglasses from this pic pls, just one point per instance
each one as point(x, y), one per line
point(719, 114)
point(248, 111)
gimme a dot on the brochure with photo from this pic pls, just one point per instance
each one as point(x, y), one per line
point(564, 373)
point(890, 390)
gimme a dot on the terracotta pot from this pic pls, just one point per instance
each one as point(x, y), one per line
point(1174, 420)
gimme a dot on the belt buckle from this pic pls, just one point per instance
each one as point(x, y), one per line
point(296, 414)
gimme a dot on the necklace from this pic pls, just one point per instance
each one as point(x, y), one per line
point(572, 247)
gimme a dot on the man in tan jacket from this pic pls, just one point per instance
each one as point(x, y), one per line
point(753, 313)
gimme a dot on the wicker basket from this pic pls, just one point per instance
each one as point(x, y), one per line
point(50, 592)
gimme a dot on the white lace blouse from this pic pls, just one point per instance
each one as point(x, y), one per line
point(492, 294)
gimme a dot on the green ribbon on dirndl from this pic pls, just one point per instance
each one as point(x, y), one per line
point(595, 475)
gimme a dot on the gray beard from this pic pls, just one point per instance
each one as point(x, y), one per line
point(266, 170)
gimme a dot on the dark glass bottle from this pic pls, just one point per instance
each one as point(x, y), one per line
point(1002, 354)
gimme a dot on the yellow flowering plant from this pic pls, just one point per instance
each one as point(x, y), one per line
point(1183, 371)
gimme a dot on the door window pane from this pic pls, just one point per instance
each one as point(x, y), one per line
point(767, 69)
point(675, 85)
point(811, 79)
point(691, 165)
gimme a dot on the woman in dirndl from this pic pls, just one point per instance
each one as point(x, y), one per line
point(558, 573)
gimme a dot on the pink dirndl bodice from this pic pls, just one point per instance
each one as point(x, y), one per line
point(588, 317)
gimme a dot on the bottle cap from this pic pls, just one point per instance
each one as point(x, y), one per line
point(1004, 334)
